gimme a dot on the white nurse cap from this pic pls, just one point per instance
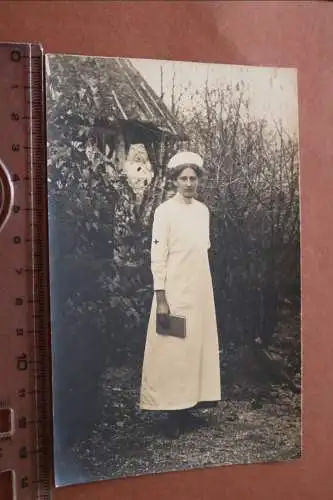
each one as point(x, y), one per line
point(185, 158)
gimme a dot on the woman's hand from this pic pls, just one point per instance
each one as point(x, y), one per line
point(162, 309)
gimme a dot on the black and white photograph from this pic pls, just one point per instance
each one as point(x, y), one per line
point(174, 254)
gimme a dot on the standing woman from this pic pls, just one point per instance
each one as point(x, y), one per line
point(180, 373)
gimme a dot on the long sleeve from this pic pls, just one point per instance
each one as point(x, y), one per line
point(208, 228)
point(159, 248)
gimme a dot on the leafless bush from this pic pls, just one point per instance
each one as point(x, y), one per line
point(252, 190)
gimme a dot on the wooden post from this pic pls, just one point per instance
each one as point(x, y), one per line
point(120, 149)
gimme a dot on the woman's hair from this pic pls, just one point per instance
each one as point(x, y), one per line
point(175, 172)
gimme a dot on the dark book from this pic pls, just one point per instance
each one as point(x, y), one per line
point(175, 328)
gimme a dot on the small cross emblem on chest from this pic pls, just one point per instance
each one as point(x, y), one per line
point(155, 241)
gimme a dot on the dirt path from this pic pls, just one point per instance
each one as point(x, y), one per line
point(128, 442)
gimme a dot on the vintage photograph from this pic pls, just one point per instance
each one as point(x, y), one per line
point(174, 244)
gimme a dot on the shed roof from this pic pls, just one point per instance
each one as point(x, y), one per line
point(111, 89)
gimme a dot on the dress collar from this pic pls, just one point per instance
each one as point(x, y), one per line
point(177, 197)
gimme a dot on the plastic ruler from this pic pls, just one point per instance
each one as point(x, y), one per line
point(25, 448)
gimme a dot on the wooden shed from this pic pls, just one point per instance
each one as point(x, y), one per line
point(127, 110)
point(104, 107)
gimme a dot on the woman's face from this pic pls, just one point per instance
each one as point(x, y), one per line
point(187, 182)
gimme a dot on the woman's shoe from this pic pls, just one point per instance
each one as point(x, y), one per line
point(192, 422)
point(206, 405)
point(173, 426)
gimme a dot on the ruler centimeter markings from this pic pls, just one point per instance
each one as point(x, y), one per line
point(24, 324)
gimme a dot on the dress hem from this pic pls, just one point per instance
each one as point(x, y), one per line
point(181, 407)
